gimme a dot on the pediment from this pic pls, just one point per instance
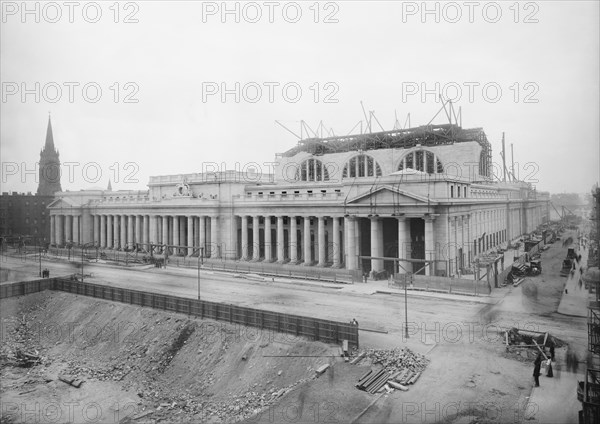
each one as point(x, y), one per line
point(388, 195)
point(62, 203)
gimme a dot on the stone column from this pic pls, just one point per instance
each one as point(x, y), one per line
point(307, 259)
point(139, 229)
point(96, 230)
point(86, 227)
point(190, 235)
point(52, 229)
point(130, 231)
point(176, 234)
point(202, 236)
point(123, 232)
point(293, 240)
point(429, 245)
point(182, 234)
point(280, 240)
point(244, 237)
point(116, 226)
point(376, 244)
point(153, 231)
point(109, 231)
point(102, 230)
point(69, 228)
point(58, 227)
point(336, 242)
point(214, 240)
point(350, 243)
point(165, 231)
point(403, 244)
point(146, 231)
point(268, 253)
point(76, 229)
point(321, 241)
point(256, 238)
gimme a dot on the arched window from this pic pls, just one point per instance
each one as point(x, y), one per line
point(361, 166)
point(421, 160)
point(312, 170)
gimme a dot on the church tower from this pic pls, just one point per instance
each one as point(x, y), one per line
point(49, 182)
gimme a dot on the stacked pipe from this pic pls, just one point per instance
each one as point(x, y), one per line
point(373, 380)
point(401, 367)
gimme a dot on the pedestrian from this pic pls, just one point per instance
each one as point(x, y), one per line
point(549, 368)
point(354, 322)
point(552, 350)
point(536, 369)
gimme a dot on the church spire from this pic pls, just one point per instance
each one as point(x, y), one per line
point(49, 176)
point(49, 137)
point(109, 188)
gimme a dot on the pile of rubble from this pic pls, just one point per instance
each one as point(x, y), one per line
point(398, 359)
point(20, 344)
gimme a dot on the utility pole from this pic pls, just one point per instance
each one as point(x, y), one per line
point(512, 160)
point(40, 253)
point(407, 277)
point(199, 256)
point(82, 248)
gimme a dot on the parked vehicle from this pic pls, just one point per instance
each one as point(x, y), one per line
point(535, 267)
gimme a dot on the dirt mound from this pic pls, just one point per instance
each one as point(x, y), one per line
point(142, 362)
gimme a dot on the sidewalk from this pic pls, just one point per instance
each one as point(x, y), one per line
point(555, 401)
point(575, 302)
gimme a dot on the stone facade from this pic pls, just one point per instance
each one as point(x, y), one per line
point(432, 207)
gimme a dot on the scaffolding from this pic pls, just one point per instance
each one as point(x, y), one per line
point(426, 136)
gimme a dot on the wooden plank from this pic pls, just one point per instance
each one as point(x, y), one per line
point(322, 369)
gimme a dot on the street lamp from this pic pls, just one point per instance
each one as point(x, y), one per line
point(200, 261)
point(83, 247)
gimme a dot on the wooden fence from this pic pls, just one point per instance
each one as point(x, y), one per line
point(312, 328)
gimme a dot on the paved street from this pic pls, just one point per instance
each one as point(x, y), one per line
point(323, 300)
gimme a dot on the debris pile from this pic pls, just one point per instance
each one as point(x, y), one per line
point(27, 359)
point(398, 359)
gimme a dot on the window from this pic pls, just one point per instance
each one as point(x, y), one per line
point(451, 191)
point(361, 166)
point(421, 160)
point(312, 170)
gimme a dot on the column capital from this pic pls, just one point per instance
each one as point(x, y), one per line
point(430, 217)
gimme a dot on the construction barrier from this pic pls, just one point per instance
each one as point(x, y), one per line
point(312, 328)
point(24, 287)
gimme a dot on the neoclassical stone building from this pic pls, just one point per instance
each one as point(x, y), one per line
point(423, 195)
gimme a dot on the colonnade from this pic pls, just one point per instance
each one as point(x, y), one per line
point(183, 234)
point(305, 240)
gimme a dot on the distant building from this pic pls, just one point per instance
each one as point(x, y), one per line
point(26, 215)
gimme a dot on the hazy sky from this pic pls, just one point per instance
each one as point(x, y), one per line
point(529, 69)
